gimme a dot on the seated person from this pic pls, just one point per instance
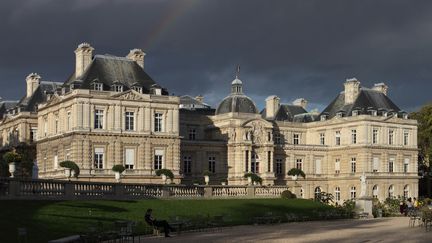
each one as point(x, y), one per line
point(157, 223)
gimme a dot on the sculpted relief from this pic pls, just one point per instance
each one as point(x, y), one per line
point(255, 132)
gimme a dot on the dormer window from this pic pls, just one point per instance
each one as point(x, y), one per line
point(137, 89)
point(98, 86)
point(156, 89)
point(405, 116)
point(118, 88)
point(355, 113)
point(323, 117)
point(339, 114)
point(373, 113)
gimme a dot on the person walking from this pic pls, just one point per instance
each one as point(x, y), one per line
point(158, 223)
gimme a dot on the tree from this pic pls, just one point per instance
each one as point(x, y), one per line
point(424, 140)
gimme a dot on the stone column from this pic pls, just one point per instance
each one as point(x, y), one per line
point(176, 121)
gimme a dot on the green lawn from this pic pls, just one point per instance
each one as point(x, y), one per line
point(47, 220)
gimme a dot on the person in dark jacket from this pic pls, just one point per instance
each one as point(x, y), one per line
point(157, 223)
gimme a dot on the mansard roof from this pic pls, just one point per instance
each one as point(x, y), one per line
point(187, 100)
point(288, 113)
point(6, 105)
point(367, 99)
point(40, 95)
point(109, 70)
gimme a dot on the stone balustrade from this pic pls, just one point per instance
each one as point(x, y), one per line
point(11, 188)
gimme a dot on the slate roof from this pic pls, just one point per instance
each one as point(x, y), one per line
point(40, 95)
point(189, 101)
point(6, 105)
point(288, 113)
point(109, 70)
point(236, 103)
point(367, 99)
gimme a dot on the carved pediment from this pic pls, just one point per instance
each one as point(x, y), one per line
point(129, 95)
point(255, 130)
point(53, 100)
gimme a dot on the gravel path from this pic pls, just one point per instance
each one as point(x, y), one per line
point(365, 230)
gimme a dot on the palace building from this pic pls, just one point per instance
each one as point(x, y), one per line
point(110, 111)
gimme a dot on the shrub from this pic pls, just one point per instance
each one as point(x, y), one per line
point(296, 172)
point(255, 178)
point(288, 195)
point(165, 172)
point(71, 165)
point(10, 157)
point(207, 173)
point(325, 198)
point(118, 168)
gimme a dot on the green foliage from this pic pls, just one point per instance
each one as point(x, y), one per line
point(325, 198)
point(207, 173)
point(165, 172)
point(287, 194)
point(118, 168)
point(255, 178)
point(296, 172)
point(424, 135)
point(11, 157)
point(348, 207)
point(71, 165)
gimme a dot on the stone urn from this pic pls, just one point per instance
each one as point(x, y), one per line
point(117, 176)
point(72, 173)
point(249, 180)
point(206, 179)
point(164, 178)
point(12, 168)
point(223, 183)
point(67, 172)
point(294, 177)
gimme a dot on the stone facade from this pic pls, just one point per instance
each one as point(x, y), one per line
point(111, 112)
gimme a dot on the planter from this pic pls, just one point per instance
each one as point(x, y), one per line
point(294, 177)
point(117, 176)
point(164, 178)
point(12, 168)
point(206, 179)
point(67, 172)
point(249, 180)
point(223, 183)
point(72, 173)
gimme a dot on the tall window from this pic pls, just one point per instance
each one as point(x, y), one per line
point(353, 165)
point(158, 159)
point(130, 159)
point(391, 191)
point(55, 160)
point(277, 138)
point(406, 191)
point(353, 192)
point(406, 165)
point(337, 166)
point(296, 138)
point(337, 193)
point(375, 164)
point(212, 164)
point(317, 192)
point(98, 158)
point(187, 164)
point(353, 136)
point(299, 164)
point(247, 160)
point(33, 134)
point(279, 163)
point(68, 121)
point(301, 193)
point(129, 121)
point(338, 138)
point(158, 122)
point(391, 165)
point(255, 163)
point(322, 138)
point(390, 137)
point(98, 119)
point(56, 125)
point(318, 166)
point(192, 134)
point(375, 191)
point(97, 86)
point(375, 136)
point(405, 138)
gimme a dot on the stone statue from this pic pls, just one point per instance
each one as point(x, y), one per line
point(363, 181)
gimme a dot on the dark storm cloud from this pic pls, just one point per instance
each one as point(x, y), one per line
point(288, 48)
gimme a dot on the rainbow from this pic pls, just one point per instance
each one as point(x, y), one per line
point(168, 19)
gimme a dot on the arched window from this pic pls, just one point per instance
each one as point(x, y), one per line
point(353, 192)
point(317, 192)
point(406, 191)
point(337, 193)
point(301, 193)
point(391, 191)
point(375, 191)
point(255, 163)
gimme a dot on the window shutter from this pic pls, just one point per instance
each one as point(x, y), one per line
point(337, 165)
point(318, 166)
point(375, 164)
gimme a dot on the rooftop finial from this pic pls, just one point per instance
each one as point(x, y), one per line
point(238, 72)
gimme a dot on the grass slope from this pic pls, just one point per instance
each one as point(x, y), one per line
point(47, 220)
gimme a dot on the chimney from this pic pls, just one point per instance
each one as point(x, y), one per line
point(381, 87)
point(32, 80)
point(272, 106)
point(300, 102)
point(200, 98)
point(83, 58)
point(137, 55)
point(352, 90)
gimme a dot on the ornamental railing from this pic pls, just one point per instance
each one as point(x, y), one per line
point(12, 188)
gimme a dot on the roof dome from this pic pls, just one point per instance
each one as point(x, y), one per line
point(236, 103)
point(236, 81)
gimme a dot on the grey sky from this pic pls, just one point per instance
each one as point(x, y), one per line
point(288, 48)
